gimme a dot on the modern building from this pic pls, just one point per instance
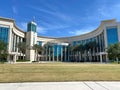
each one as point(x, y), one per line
point(59, 49)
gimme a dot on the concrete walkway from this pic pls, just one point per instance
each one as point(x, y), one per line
point(61, 86)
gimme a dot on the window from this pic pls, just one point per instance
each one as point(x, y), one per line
point(39, 43)
point(74, 43)
point(4, 31)
point(112, 35)
point(31, 27)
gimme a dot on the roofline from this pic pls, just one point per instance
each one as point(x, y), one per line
point(102, 23)
point(12, 20)
point(8, 19)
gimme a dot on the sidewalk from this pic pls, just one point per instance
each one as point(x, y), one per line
point(61, 86)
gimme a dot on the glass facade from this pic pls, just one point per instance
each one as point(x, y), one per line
point(57, 50)
point(31, 27)
point(91, 46)
point(4, 32)
point(112, 35)
point(39, 43)
point(15, 41)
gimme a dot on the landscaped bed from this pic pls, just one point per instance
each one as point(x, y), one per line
point(22, 60)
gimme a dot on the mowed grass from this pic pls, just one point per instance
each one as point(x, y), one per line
point(48, 72)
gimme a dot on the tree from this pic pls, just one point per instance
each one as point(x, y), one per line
point(114, 52)
point(90, 47)
point(22, 48)
point(38, 50)
point(75, 49)
point(78, 48)
point(81, 49)
point(49, 52)
point(3, 50)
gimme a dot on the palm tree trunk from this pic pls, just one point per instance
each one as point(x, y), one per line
point(20, 55)
point(81, 56)
point(37, 56)
point(117, 60)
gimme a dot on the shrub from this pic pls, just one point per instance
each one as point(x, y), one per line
point(22, 60)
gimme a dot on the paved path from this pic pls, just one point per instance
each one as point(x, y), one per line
point(61, 86)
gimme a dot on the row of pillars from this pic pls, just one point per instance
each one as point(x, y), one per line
point(48, 56)
point(99, 57)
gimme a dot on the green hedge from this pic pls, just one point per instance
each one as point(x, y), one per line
point(34, 61)
point(22, 60)
point(3, 61)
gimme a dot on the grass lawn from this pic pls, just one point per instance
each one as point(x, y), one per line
point(59, 72)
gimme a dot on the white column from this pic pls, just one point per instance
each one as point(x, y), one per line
point(72, 56)
point(101, 58)
point(105, 37)
point(65, 53)
point(99, 43)
point(49, 53)
point(106, 57)
point(118, 28)
point(17, 47)
point(57, 53)
point(8, 59)
point(10, 39)
point(14, 58)
point(68, 54)
point(85, 56)
point(53, 54)
point(90, 54)
point(97, 53)
point(61, 53)
point(46, 53)
point(14, 42)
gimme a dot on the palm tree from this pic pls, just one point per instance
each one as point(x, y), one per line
point(47, 47)
point(3, 50)
point(22, 48)
point(73, 50)
point(90, 46)
point(87, 49)
point(38, 50)
point(46, 50)
point(70, 52)
point(81, 49)
point(94, 46)
point(50, 45)
point(77, 50)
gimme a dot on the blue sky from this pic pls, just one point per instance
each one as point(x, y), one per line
point(61, 18)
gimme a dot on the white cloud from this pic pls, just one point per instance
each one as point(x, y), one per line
point(44, 30)
point(23, 26)
point(57, 27)
point(53, 12)
point(15, 11)
point(103, 12)
point(41, 30)
point(109, 12)
point(52, 26)
point(82, 31)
